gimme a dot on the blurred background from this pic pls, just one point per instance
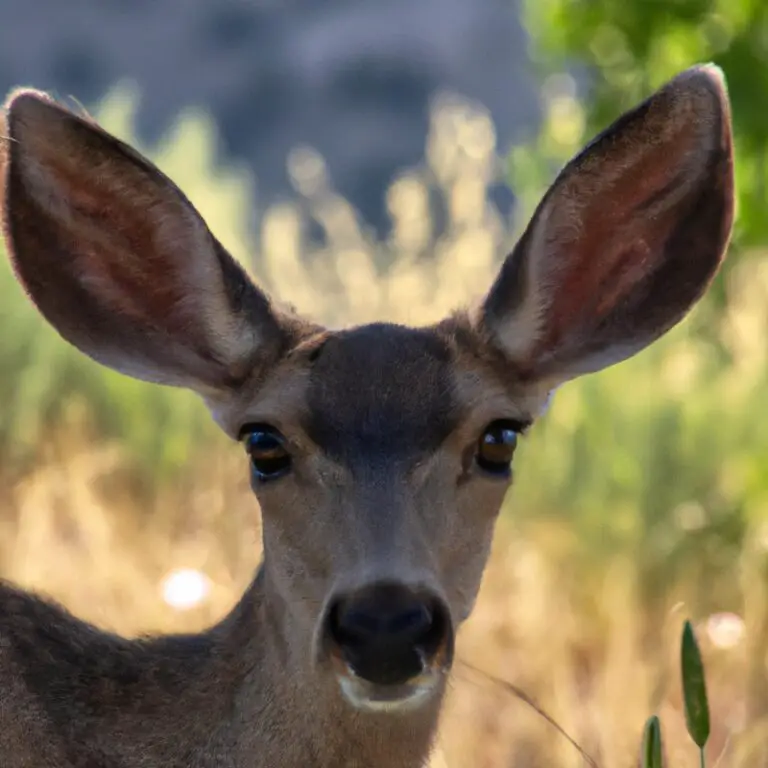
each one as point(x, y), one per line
point(376, 160)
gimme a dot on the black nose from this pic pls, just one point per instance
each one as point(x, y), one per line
point(388, 633)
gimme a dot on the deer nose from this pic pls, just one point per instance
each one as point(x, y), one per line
point(388, 634)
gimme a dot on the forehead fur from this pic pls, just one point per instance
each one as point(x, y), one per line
point(381, 389)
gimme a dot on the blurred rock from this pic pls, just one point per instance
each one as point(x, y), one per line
point(352, 79)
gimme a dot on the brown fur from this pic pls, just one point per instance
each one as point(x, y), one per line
point(382, 423)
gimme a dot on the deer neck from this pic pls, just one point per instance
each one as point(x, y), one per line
point(287, 712)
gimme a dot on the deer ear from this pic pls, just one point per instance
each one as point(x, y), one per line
point(118, 260)
point(625, 241)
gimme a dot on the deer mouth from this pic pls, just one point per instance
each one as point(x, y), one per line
point(396, 696)
point(389, 645)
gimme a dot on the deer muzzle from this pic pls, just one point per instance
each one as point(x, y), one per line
point(389, 645)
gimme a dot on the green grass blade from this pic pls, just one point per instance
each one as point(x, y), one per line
point(652, 755)
point(694, 688)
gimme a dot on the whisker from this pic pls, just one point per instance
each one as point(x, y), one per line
point(526, 699)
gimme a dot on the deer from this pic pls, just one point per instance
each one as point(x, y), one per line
point(380, 454)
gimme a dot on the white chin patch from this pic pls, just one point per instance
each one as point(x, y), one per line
point(404, 697)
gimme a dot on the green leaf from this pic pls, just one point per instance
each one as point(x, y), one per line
point(652, 748)
point(694, 688)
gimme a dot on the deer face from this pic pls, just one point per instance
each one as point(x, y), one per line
point(381, 454)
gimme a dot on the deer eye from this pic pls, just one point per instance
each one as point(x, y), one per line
point(496, 447)
point(266, 449)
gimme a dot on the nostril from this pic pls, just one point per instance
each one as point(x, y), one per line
point(352, 626)
point(353, 622)
point(413, 622)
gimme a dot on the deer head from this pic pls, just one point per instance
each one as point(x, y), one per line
point(380, 454)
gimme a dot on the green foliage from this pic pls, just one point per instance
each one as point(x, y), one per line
point(659, 459)
point(652, 750)
point(694, 688)
point(694, 700)
point(626, 49)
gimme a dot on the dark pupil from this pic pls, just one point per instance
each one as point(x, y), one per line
point(497, 446)
point(268, 456)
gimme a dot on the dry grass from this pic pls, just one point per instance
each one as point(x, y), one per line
point(80, 528)
point(84, 537)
